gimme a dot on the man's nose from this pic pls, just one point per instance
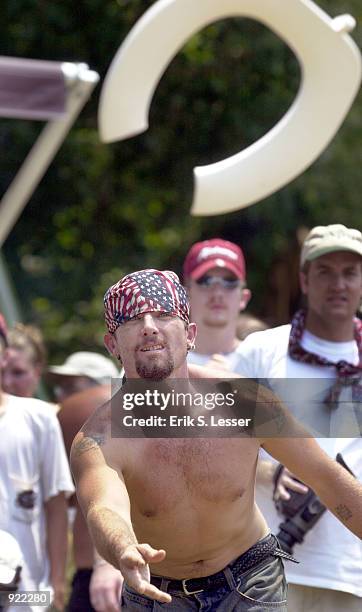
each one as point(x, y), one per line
point(149, 325)
point(217, 289)
point(338, 281)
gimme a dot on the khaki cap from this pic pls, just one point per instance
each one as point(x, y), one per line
point(325, 239)
point(85, 363)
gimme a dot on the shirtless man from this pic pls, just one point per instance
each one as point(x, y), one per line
point(181, 508)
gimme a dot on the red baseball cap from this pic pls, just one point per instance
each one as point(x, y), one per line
point(215, 253)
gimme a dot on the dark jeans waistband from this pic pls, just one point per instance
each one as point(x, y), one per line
point(246, 561)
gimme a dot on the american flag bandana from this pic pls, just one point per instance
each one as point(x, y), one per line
point(145, 291)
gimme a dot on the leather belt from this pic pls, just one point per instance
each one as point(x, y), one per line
point(249, 559)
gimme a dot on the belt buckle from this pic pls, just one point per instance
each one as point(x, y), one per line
point(186, 589)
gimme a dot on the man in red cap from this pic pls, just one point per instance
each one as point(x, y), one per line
point(215, 278)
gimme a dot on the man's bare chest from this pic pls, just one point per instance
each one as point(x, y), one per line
point(165, 471)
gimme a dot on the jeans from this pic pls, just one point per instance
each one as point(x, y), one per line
point(259, 589)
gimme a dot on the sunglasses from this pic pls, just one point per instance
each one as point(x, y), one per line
point(226, 283)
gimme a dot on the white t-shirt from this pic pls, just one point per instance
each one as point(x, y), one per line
point(232, 358)
point(330, 556)
point(33, 468)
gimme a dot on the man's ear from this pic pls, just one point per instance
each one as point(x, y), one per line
point(110, 344)
point(245, 298)
point(191, 336)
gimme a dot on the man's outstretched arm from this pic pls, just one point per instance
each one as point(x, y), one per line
point(340, 492)
point(104, 500)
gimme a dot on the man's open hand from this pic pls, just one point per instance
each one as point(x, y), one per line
point(134, 565)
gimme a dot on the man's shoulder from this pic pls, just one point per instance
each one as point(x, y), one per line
point(33, 408)
point(259, 352)
point(203, 372)
point(100, 432)
point(102, 418)
point(31, 420)
point(265, 338)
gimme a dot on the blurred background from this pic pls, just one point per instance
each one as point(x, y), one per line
point(104, 210)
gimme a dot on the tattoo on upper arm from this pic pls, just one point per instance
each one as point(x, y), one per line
point(89, 442)
point(343, 512)
point(279, 417)
point(274, 417)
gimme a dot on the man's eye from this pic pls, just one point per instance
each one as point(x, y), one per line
point(134, 319)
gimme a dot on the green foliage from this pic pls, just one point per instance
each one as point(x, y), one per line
point(104, 210)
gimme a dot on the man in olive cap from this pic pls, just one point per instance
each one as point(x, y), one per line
point(324, 341)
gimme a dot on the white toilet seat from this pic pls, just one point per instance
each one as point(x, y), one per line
point(331, 75)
